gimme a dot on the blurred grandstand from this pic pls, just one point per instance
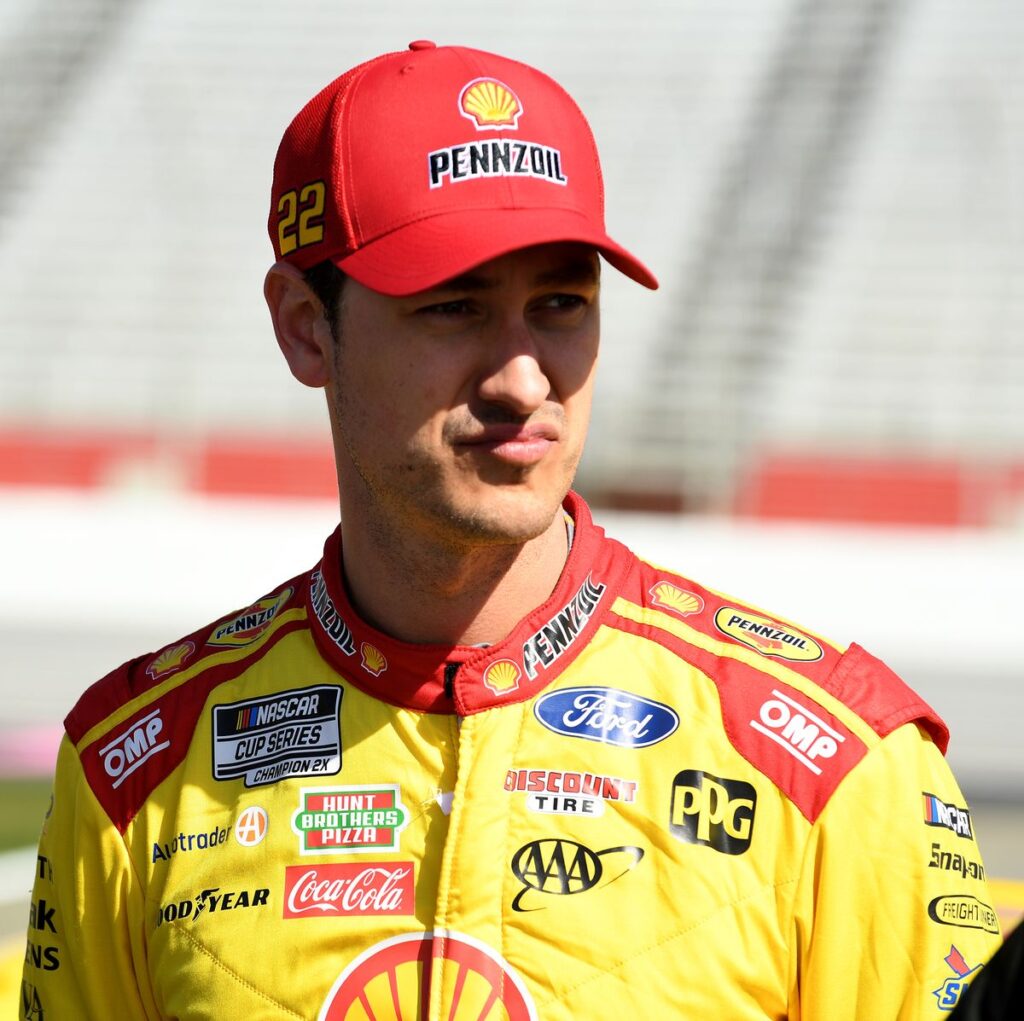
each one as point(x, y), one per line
point(829, 190)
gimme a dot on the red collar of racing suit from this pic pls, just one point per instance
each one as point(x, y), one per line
point(468, 679)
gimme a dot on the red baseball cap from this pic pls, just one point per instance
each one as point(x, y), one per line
point(417, 166)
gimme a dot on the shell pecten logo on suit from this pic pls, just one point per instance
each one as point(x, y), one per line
point(393, 980)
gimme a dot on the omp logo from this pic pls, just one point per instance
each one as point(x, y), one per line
point(323, 606)
point(543, 647)
point(392, 980)
point(963, 911)
point(133, 747)
point(767, 636)
point(949, 816)
point(797, 730)
point(607, 715)
point(245, 628)
point(712, 810)
point(564, 868)
point(948, 994)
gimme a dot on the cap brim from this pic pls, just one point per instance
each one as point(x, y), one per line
point(423, 254)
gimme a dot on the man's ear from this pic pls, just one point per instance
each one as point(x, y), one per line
point(299, 323)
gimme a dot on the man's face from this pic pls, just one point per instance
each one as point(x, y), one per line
point(461, 411)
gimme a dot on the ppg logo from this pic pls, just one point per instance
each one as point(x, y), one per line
point(711, 810)
point(133, 747)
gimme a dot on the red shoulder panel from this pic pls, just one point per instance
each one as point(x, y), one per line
point(786, 734)
point(125, 764)
point(881, 698)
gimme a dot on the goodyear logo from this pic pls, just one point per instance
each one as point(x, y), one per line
point(250, 623)
point(563, 868)
point(713, 811)
point(768, 637)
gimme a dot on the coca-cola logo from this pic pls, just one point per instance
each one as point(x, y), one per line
point(374, 888)
point(607, 715)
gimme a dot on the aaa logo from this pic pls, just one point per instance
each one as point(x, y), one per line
point(564, 868)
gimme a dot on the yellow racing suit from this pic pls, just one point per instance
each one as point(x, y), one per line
point(649, 800)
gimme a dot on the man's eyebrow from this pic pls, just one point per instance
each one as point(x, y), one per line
point(576, 271)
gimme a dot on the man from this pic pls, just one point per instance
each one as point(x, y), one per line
point(481, 761)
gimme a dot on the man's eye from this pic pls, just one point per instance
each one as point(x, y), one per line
point(564, 302)
point(446, 308)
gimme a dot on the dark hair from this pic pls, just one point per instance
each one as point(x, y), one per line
point(327, 282)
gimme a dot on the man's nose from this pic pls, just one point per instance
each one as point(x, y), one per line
point(512, 374)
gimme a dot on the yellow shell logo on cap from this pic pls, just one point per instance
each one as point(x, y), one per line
point(373, 659)
point(490, 104)
point(676, 599)
point(503, 676)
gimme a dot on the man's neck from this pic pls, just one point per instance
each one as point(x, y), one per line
point(418, 591)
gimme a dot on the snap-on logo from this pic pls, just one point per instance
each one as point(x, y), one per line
point(133, 747)
point(607, 715)
point(768, 637)
point(797, 730)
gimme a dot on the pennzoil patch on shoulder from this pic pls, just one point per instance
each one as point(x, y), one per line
point(280, 735)
point(767, 636)
point(252, 622)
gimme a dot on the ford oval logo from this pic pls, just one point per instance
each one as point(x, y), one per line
point(606, 715)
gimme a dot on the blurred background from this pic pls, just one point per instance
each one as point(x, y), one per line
point(821, 411)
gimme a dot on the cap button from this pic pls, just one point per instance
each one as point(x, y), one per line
point(422, 44)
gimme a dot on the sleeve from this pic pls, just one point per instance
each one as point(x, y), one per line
point(892, 913)
point(85, 955)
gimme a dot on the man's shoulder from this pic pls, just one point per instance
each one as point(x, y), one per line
point(133, 726)
point(801, 708)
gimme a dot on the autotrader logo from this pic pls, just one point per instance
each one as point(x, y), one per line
point(712, 810)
